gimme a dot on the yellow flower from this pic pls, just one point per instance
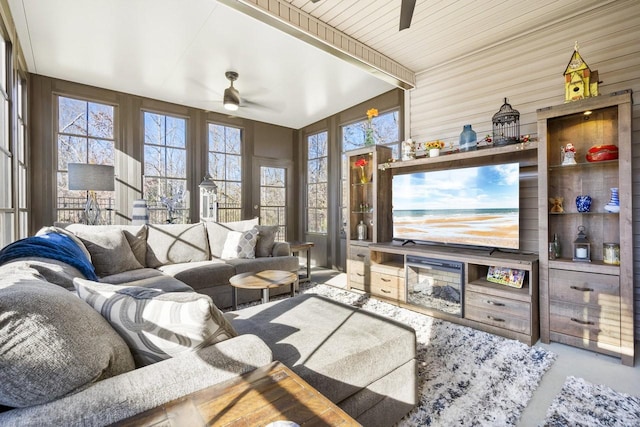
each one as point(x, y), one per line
point(434, 144)
point(373, 112)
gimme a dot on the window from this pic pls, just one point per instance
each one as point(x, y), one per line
point(317, 175)
point(165, 168)
point(21, 140)
point(225, 166)
point(7, 208)
point(85, 134)
point(273, 199)
point(386, 131)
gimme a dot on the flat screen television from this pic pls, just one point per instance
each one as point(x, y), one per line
point(471, 206)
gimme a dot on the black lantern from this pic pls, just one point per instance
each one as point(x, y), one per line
point(506, 125)
point(581, 247)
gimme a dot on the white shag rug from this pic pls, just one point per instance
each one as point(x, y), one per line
point(582, 404)
point(466, 377)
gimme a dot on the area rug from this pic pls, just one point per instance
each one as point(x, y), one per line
point(466, 377)
point(581, 403)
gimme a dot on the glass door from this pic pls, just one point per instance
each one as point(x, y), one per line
point(273, 199)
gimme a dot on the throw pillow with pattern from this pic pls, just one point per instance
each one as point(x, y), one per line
point(240, 244)
point(157, 325)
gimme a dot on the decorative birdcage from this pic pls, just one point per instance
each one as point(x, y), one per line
point(506, 125)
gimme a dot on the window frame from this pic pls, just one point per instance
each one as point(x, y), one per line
point(164, 208)
point(227, 212)
point(308, 204)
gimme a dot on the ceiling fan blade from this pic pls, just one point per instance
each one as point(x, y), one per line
point(406, 13)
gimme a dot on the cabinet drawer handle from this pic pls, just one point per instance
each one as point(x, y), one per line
point(495, 319)
point(578, 288)
point(360, 274)
point(582, 322)
point(384, 279)
point(497, 304)
point(385, 291)
point(360, 255)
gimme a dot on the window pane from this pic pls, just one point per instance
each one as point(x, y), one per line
point(5, 190)
point(176, 163)
point(101, 152)
point(154, 160)
point(233, 168)
point(233, 141)
point(176, 132)
point(100, 120)
point(153, 129)
point(72, 116)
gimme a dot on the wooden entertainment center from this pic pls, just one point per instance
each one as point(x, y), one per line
point(378, 266)
point(580, 298)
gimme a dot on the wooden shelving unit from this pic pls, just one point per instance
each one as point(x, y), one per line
point(369, 203)
point(587, 304)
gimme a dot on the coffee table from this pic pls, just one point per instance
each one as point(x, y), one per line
point(263, 280)
point(267, 394)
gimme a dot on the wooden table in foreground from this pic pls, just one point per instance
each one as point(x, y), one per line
point(270, 393)
point(263, 280)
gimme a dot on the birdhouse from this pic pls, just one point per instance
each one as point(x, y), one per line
point(581, 246)
point(579, 81)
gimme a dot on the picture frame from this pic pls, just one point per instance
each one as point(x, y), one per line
point(506, 276)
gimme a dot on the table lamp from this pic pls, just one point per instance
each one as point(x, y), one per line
point(91, 178)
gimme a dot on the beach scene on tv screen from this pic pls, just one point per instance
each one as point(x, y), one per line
point(476, 206)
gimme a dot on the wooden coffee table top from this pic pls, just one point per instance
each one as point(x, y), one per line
point(263, 279)
point(270, 393)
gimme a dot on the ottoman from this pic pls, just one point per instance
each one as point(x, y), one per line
point(362, 362)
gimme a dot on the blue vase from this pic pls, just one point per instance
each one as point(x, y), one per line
point(468, 139)
point(614, 204)
point(583, 203)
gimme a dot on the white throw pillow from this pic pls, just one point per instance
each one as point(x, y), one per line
point(240, 244)
point(157, 325)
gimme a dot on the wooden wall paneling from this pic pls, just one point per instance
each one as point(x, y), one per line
point(528, 71)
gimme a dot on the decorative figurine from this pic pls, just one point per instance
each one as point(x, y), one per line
point(568, 155)
point(556, 204)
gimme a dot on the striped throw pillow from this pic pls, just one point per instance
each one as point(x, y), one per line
point(157, 325)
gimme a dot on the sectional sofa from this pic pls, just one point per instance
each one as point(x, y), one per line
point(80, 348)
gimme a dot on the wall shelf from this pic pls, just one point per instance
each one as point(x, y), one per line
point(481, 153)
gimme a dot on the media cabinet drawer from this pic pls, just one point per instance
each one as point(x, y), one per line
point(358, 253)
point(587, 322)
point(576, 287)
point(387, 285)
point(496, 311)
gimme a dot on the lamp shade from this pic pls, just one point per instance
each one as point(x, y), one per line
point(83, 176)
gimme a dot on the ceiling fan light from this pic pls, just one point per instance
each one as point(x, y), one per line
point(231, 100)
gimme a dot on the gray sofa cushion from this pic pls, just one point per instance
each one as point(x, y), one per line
point(110, 252)
point(285, 263)
point(52, 343)
point(175, 243)
point(266, 239)
point(120, 397)
point(338, 349)
point(157, 325)
point(240, 244)
point(136, 235)
point(201, 274)
point(217, 233)
point(53, 271)
point(131, 275)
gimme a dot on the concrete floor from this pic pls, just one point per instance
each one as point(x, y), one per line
point(593, 367)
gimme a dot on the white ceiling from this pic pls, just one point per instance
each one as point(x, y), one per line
point(178, 51)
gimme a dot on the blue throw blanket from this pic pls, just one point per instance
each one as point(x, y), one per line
point(56, 246)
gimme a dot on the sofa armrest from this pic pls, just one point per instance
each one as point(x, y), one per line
point(281, 249)
point(136, 391)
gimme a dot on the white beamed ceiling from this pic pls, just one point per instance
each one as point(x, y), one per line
point(178, 51)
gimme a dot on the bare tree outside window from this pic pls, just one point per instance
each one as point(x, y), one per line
point(165, 168)
point(85, 134)
point(386, 131)
point(225, 166)
point(317, 180)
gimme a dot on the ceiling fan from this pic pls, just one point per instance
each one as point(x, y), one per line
point(406, 12)
point(231, 98)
